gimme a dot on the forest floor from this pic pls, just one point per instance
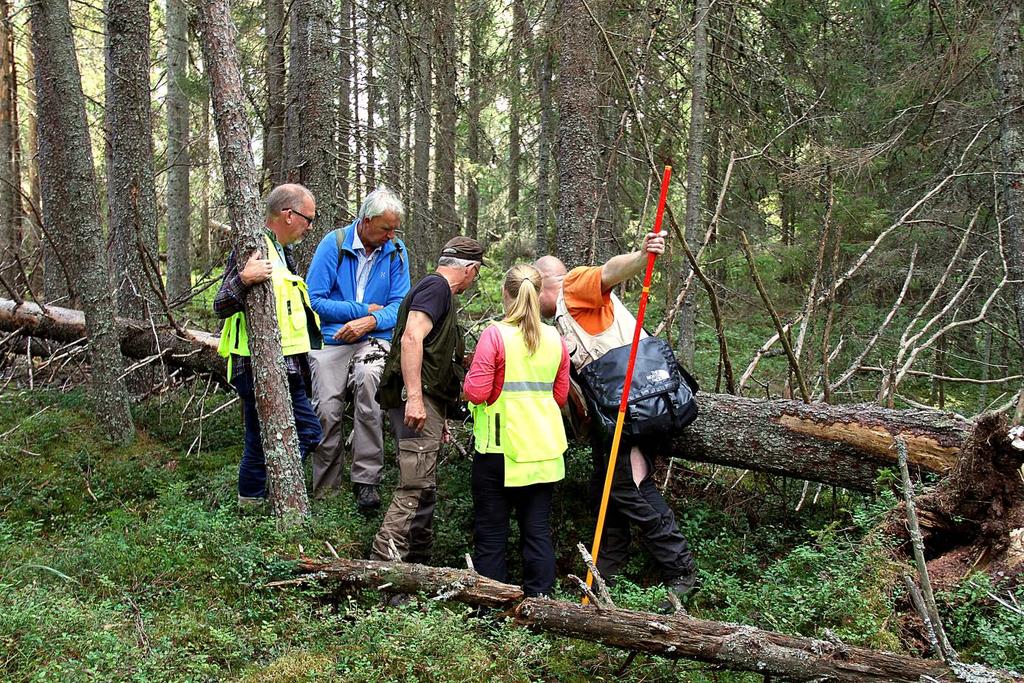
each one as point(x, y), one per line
point(134, 564)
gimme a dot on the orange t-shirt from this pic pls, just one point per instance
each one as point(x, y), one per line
point(587, 303)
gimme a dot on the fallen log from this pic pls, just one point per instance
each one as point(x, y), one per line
point(732, 646)
point(402, 577)
point(196, 350)
point(841, 445)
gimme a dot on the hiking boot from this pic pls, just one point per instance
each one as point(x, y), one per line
point(681, 587)
point(367, 498)
point(247, 504)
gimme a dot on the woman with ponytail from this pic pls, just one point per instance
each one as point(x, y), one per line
point(517, 382)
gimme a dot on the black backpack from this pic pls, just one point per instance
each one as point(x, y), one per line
point(661, 397)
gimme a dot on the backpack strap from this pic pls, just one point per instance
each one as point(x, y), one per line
point(339, 240)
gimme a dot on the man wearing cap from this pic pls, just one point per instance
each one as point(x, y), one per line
point(422, 376)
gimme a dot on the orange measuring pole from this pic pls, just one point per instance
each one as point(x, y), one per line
point(621, 419)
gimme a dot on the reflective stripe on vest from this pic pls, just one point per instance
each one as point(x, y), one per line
point(291, 302)
point(525, 423)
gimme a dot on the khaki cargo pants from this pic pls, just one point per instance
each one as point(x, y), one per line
point(409, 519)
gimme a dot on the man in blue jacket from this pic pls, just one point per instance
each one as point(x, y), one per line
point(357, 280)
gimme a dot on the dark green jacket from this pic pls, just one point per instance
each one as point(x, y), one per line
point(441, 374)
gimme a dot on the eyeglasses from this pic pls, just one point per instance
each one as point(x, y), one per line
point(308, 219)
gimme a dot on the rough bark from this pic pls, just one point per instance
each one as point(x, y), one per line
point(458, 585)
point(473, 108)
point(273, 131)
point(296, 83)
point(179, 230)
point(843, 445)
point(357, 133)
point(206, 246)
point(372, 99)
point(69, 188)
point(10, 222)
point(285, 480)
point(194, 350)
point(317, 168)
point(515, 86)
point(420, 218)
point(544, 138)
point(345, 52)
point(694, 177)
point(393, 168)
point(446, 51)
point(731, 646)
point(130, 182)
point(1011, 139)
point(577, 131)
point(33, 229)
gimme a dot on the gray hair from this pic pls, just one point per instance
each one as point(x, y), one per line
point(380, 201)
point(285, 197)
point(452, 262)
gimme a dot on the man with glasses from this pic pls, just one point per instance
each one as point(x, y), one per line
point(291, 210)
point(357, 280)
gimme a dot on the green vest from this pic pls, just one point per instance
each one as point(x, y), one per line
point(441, 374)
point(295, 316)
point(525, 423)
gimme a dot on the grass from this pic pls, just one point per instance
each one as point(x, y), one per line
point(133, 564)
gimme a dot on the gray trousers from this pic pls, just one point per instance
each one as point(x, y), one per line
point(334, 370)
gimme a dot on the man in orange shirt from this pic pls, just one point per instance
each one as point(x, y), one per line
point(594, 321)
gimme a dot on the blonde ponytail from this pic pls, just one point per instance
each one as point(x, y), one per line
point(522, 284)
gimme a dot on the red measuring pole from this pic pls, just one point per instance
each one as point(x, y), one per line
point(621, 419)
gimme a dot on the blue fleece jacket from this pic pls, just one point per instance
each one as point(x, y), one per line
point(332, 285)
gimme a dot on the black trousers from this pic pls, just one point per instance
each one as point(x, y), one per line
point(492, 506)
point(643, 506)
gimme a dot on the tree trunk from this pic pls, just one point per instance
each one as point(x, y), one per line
point(477, 12)
point(196, 350)
point(694, 176)
point(577, 131)
point(515, 94)
point(130, 184)
point(372, 98)
point(273, 131)
point(69, 188)
point(33, 230)
point(206, 246)
point(393, 168)
point(295, 91)
point(420, 223)
point(345, 52)
point(1011, 138)
point(317, 167)
point(179, 210)
point(446, 48)
point(541, 245)
point(729, 646)
point(357, 133)
point(10, 185)
point(285, 482)
point(843, 445)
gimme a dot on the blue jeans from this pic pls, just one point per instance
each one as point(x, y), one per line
point(252, 472)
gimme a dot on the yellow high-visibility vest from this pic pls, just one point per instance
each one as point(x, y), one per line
point(291, 300)
point(525, 423)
